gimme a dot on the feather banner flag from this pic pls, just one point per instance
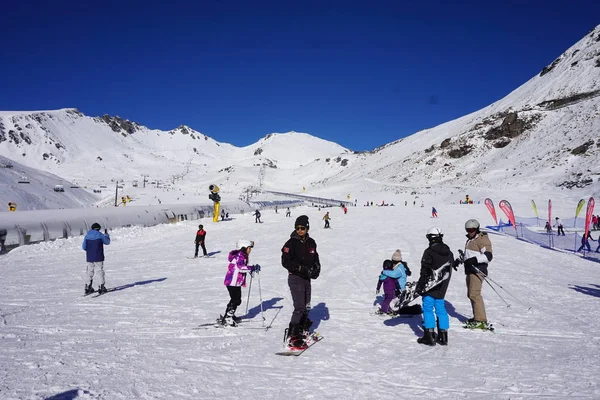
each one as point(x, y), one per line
point(578, 210)
point(534, 209)
point(579, 207)
point(550, 212)
point(588, 214)
point(507, 208)
point(490, 205)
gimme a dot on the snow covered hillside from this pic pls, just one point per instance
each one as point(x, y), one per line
point(144, 341)
point(542, 136)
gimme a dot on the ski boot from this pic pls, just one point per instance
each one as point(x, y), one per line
point(428, 338)
point(236, 319)
point(102, 289)
point(442, 337)
point(89, 289)
point(474, 324)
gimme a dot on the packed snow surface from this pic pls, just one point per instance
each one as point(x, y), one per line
point(143, 341)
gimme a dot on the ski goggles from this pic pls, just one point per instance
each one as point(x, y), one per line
point(301, 228)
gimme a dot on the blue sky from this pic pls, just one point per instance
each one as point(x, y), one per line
point(361, 74)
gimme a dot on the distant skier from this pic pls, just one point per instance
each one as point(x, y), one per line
point(433, 212)
point(222, 215)
point(199, 241)
point(288, 213)
point(235, 278)
point(326, 218)
point(585, 241)
point(257, 217)
point(93, 244)
point(436, 263)
point(12, 206)
point(299, 256)
point(345, 210)
point(559, 225)
point(548, 227)
point(276, 210)
point(3, 233)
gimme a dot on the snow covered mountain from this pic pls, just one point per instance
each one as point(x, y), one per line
point(542, 135)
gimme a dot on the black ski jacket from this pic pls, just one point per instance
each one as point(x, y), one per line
point(436, 255)
point(300, 257)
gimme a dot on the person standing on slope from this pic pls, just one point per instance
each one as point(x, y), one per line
point(436, 266)
point(235, 278)
point(199, 241)
point(433, 212)
point(559, 225)
point(326, 218)
point(477, 256)
point(300, 258)
point(288, 213)
point(93, 244)
point(257, 217)
point(585, 241)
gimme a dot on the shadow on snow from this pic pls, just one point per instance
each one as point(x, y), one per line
point(140, 283)
point(590, 291)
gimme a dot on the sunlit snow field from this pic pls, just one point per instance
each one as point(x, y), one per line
point(143, 342)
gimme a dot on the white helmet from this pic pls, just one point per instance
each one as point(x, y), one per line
point(434, 234)
point(244, 243)
point(472, 223)
point(435, 231)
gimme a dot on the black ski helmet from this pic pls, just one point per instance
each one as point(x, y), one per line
point(96, 226)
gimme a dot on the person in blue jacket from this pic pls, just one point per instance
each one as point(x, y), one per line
point(93, 244)
point(399, 270)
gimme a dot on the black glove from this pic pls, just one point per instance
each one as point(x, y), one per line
point(461, 256)
point(408, 273)
point(470, 263)
point(456, 263)
point(314, 271)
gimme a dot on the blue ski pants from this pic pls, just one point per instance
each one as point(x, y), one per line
point(429, 304)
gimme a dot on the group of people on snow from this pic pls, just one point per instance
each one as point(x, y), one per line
point(300, 258)
point(437, 263)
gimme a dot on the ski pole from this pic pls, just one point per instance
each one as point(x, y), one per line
point(494, 289)
point(261, 301)
point(501, 287)
point(249, 289)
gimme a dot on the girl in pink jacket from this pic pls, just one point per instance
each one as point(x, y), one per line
point(235, 278)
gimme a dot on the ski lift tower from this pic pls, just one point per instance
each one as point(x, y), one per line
point(261, 174)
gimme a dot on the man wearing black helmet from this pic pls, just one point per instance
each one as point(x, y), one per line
point(299, 256)
point(477, 255)
point(93, 244)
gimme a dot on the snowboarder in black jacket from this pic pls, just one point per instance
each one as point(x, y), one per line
point(436, 266)
point(299, 256)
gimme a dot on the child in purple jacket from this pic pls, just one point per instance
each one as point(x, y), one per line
point(389, 288)
point(235, 278)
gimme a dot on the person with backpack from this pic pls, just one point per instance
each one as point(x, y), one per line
point(235, 278)
point(199, 241)
point(93, 244)
point(436, 268)
point(300, 258)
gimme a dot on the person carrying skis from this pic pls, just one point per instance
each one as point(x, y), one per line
point(436, 271)
point(326, 218)
point(257, 217)
point(433, 212)
point(235, 278)
point(200, 238)
point(476, 257)
point(300, 258)
point(559, 225)
point(93, 244)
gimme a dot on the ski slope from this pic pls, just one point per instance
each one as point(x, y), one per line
point(142, 341)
